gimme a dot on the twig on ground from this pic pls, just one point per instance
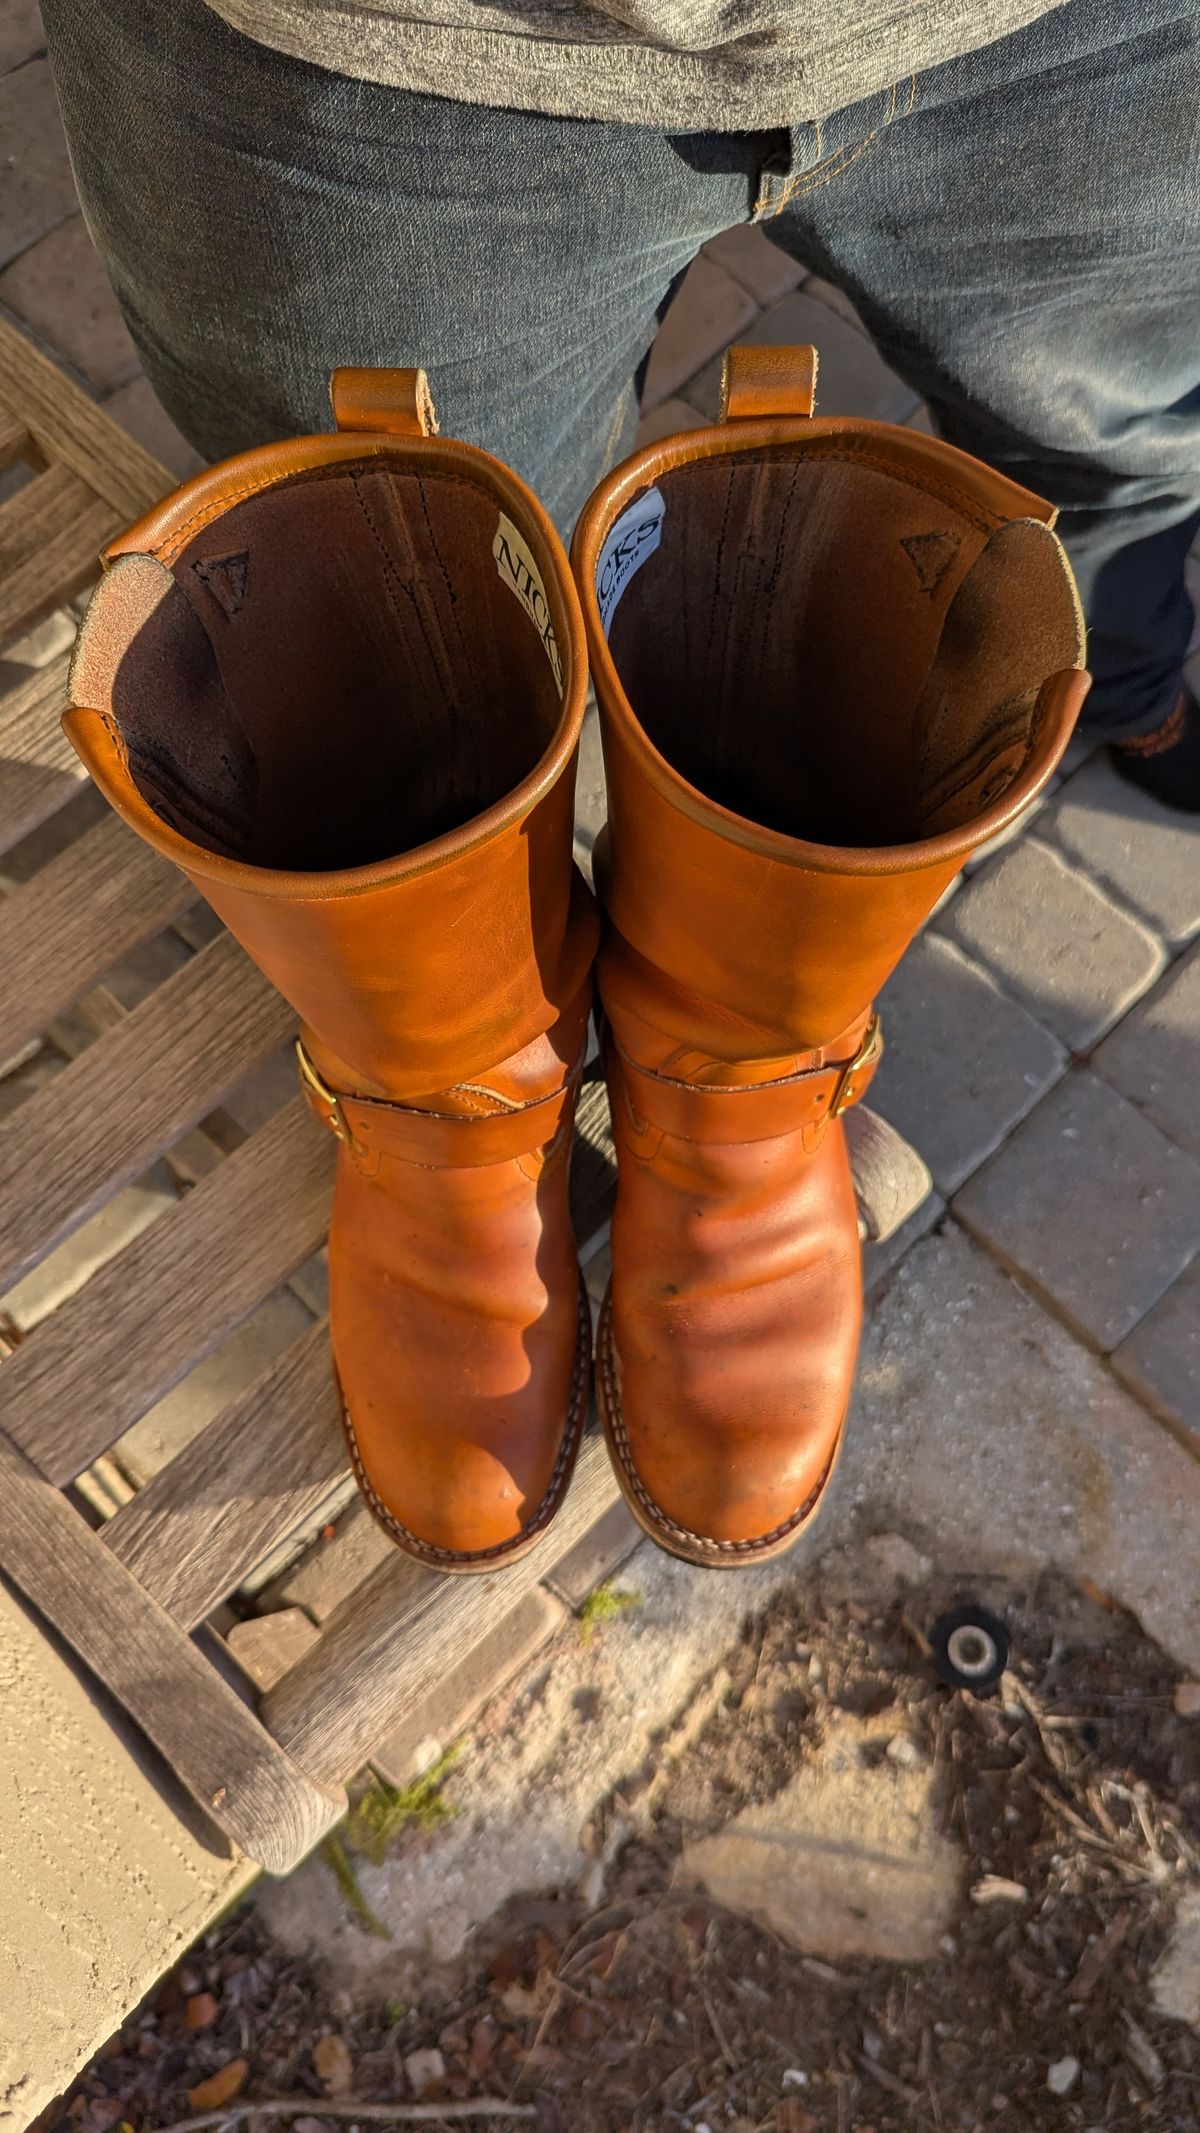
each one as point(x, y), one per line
point(388, 2114)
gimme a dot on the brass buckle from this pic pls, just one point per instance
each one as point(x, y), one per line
point(867, 1054)
point(310, 1079)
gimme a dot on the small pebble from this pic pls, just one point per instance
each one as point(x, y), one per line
point(903, 1751)
point(1062, 2076)
point(1187, 1699)
point(423, 2069)
point(794, 2078)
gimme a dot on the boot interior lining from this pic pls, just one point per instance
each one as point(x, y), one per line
point(832, 651)
point(339, 672)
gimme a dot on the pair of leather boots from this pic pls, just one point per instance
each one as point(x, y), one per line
point(340, 682)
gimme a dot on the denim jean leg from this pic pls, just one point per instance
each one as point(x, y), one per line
point(1024, 245)
point(263, 220)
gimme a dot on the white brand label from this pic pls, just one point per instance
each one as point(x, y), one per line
point(521, 575)
point(633, 538)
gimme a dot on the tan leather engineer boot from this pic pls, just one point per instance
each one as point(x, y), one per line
point(831, 658)
point(340, 681)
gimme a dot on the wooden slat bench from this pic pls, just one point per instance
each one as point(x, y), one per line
point(153, 1086)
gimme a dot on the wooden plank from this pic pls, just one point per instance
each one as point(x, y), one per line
point(14, 439)
point(39, 769)
point(51, 534)
point(253, 1476)
point(270, 1807)
point(593, 1163)
point(71, 428)
point(109, 1114)
point(76, 918)
point(403, 1631)
point(84, 1374)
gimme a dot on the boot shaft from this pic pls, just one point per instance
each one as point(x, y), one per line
point(832, 658)
point(340, 682)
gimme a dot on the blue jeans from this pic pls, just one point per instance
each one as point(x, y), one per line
point(1020, 229)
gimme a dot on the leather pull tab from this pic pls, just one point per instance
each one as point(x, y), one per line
point(395, 401)
point(761, 382)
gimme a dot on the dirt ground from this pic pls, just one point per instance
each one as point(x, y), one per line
point(1073, 1792)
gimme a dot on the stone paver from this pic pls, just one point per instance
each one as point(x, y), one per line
point(591, 792)
point(597, 1556)
point(1154, 1057)
point(95, 1242)
point(1147, 853)
point(710, 310)
point(847, 1859)
point(190, 1406)
point(985, 1431)
point(1091, 1202)
point(962, 1061)
point(105, 1876)
point(21, 33)
point(667, 420)
point(764, 269)
point(267, 1647)
point(37, 190)
point(137, 410)
point(332, 1572)
point(60, 289)
point(437, 1721)
point(1161, 1358)
point(1048, 933)
point(852, 378)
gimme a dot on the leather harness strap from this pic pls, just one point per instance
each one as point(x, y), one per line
point(753, 1111)
point(371, 1128)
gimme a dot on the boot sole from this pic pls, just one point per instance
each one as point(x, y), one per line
point(653, 1520)
point(480, 1562)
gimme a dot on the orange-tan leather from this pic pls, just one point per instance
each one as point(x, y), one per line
point(340, 682)
point(852, 656)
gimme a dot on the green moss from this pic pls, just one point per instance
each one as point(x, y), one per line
point(601, 1606)
point(337, 1859)
point(382, 1811)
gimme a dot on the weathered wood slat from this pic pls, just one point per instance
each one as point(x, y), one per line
point(51, 534)
point(593, 1163)
point(39, 769)
point(76, 918)
point(127, 1097)
point(14, 438)
point(275, 1811)
point(404, 1629)
point(253, 1476)
point(87, 1372)
point(71, 428)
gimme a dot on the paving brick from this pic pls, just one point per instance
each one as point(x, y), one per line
point(984, 853)
point(852, 378)
point(137, 410)
point(668, 420)
point(1049, 934)
point(763, 268)
point(1149, 854)
point(37, 189)
point(983, 1427)
point(879, 1261)
point(335, 1567)
point(1154, 1057)
point(21, 33)
point(710, 311)
point(439, 1718)
point(962, 1062)
point(1091, 1203)
point(1161, 1358)
point(610, 1543)
point(834, 299)
point(60, 288)
point(92, 1245)
point(591, 793)
point(267, 1647)
point(191, 1405)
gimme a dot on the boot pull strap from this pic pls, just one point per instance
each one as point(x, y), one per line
point(397, 401)
point(757, 382)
